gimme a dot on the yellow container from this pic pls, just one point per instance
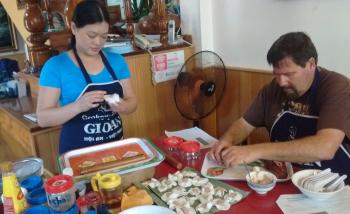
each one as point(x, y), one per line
point(14, 201)
point(109, 185)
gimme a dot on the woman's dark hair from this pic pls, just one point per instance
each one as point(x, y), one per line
point(89, 12)
point(296, 45)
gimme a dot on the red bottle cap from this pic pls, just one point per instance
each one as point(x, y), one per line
point(59, 183)
point(189, 146)
point(173, 141)
point(81, 201)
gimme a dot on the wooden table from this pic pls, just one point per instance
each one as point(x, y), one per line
point(253, 203)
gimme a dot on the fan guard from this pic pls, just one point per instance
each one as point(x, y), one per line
point(200, 85)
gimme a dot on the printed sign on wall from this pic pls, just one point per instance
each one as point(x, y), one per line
point(166, 66)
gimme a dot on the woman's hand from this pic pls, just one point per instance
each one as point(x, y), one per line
point(128, 103)
point(90, 100)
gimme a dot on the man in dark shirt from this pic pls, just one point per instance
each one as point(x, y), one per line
point(305, 108)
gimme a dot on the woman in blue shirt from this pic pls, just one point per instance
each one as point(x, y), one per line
point(74, 84)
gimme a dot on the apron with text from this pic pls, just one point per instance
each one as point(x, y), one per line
point(290, 125)
point(97, 125)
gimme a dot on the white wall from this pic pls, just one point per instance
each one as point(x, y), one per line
point(190, 20)
point(243, 30)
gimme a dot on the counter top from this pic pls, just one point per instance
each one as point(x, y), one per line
point(17, 107)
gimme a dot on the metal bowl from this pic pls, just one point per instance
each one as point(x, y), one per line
point(27, 167)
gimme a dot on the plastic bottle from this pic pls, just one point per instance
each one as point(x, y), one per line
point(14, 201)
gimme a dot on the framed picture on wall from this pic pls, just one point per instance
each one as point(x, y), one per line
point(8, 39)
point(21, 4)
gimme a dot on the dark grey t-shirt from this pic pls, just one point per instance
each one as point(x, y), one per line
point(332, 103)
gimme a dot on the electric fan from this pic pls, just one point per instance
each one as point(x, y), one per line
point(200, 85)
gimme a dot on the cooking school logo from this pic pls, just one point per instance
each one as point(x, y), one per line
point(101, 123)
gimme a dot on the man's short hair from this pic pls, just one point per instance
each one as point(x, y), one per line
point(296, 45)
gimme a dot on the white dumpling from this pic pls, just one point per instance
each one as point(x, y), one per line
point(178, 203)
point(169, 183)
point(165, 197)
point(186, 210)
point(233, 196)
point(205, 198)
point(204, 207)
point(191, 200)
point(208, 189)
point(153, 183)
point(194, 191)
point(221, 204)
point(179, 190)
point(185, 182)
point(220, 191)
point(189, 174)
point(172, 177)
point(198, 181)
point(162, 188)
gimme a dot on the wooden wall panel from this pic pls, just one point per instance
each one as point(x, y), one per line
point(242, 87)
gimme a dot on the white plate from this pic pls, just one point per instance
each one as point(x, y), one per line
point(237, 173)
point(315, 195)
point(148, 209)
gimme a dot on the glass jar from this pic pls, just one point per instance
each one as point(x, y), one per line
point(171, 143)
point(189, 150)
point(60, 193)
point(109, 185)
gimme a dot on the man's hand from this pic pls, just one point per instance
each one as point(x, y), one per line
point(235, 155)
point(216, 150)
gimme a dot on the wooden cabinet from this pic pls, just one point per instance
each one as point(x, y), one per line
point(21, 138)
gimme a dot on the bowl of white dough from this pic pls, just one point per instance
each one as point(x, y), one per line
point(261, 181)
point(317, 184)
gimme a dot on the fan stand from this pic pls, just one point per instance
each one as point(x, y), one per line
point(196, 123)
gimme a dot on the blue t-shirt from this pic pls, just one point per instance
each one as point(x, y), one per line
point(61, 72)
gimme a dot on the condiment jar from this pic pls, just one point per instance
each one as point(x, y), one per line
point(60, 193)
point(171, 143)
point(109, 186)
point(189, 150)
point(79, 186)
point(93, 199)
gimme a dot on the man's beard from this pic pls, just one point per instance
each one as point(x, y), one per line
point(291, 93)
